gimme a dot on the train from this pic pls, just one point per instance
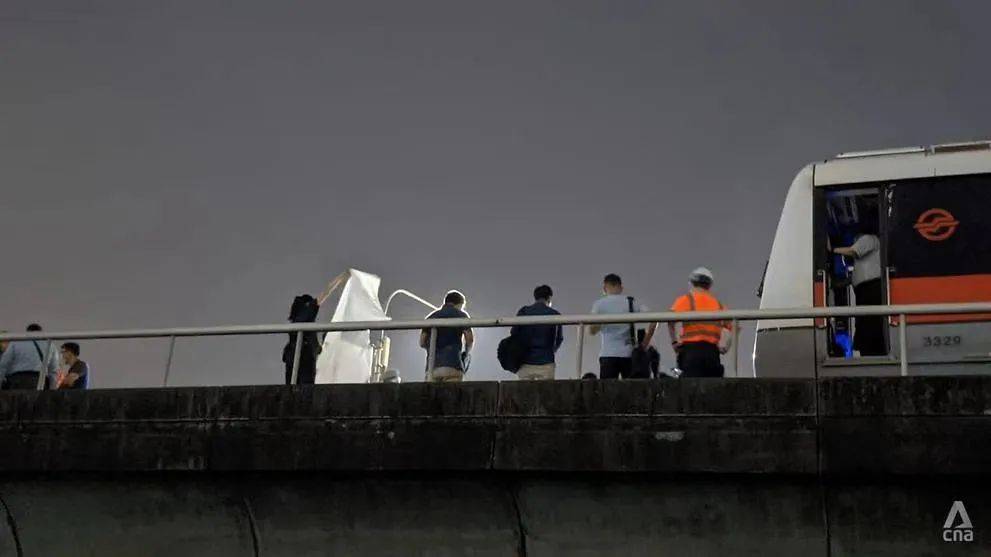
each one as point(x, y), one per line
point(928, 211)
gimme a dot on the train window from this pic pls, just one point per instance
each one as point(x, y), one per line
point(852, 269)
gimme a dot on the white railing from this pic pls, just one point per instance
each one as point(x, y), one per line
point(733, 316)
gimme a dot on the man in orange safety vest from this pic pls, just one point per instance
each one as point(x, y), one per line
point(700, 343)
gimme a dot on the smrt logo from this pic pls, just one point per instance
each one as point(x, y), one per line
point(936, 225)
point(962, 532)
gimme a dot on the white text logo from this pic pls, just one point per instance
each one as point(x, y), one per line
point(962, 532)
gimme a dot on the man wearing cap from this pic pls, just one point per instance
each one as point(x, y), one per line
point(700, 343)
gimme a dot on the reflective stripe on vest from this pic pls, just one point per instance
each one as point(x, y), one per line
point(701, 331)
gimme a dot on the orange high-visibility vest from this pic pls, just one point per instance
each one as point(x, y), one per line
point(702, 331)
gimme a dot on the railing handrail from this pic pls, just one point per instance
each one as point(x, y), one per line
point(578, 319)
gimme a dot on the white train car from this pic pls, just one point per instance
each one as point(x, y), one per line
point(930, 209)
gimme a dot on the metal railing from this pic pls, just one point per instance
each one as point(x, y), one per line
point(582, 321)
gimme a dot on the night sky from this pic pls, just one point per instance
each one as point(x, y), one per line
point(201, 162)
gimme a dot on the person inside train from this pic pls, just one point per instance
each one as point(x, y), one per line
point(865, 252)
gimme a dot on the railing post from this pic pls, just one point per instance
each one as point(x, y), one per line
point(903, 344)
point(168, 361)
point(431, 354)
point(44, 366)
point(295, 357)
point(734, 348)
point(581, 351)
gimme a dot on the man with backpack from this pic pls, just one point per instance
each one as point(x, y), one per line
point(23, 360)
point(620, 342)
point(304, 309)
point(541, 341)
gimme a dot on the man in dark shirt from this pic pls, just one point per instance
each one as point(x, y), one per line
point(77, 376)
point(542, 340)
point(453, 343)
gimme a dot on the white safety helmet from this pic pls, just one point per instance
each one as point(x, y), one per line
point(701, 275)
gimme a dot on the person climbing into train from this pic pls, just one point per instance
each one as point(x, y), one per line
point(865, 251)
point(700, 344)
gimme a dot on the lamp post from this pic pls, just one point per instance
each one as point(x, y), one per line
point(381, 347)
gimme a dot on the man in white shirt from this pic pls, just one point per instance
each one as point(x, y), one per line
point(615, 356)
point(866, 253)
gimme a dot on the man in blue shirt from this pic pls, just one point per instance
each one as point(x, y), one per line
point(542, 340)
point(453, 343)
point(23, 360)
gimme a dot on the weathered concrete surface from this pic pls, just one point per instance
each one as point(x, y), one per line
point(673, 426)
point(688, 467)
point(481, 514)
point(936, 425)
point(910, 425)
point(445, 516)
point(135, 516)
point(680, 516)
point(905, 516)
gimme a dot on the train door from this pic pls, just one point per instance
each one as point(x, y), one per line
point(939, 251)
point(849, 217)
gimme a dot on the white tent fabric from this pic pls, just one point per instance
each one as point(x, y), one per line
point(347, 356)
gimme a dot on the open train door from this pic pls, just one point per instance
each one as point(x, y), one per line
point(938, 234)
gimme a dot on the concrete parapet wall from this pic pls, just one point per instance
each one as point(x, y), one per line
point(845, 467)
point(936, 425)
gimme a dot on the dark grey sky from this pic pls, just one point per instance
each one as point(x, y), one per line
point(199, 163)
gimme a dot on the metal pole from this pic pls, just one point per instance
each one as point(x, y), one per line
point(44, 366)
point(295, 357)
point(168, 361)
point(383, 358)
point(734, 349)
point(581, 351)
point(408, 294)
point(903, 343)
point(431, 354)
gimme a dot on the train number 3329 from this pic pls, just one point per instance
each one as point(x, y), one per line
point(935, 342)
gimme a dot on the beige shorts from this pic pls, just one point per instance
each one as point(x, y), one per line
point(529, 372)
point(446, 375)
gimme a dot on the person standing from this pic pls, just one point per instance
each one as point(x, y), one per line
point(616, 353)
point(23, 361)
point(542, 341)
point(77, 371)
point(700, 344)
point(869, 332)
point(453, 344)
point(304, 310)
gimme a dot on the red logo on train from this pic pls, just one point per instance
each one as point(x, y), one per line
point(936, 225)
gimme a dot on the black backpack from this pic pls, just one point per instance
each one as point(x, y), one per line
point(644, 363)
point(512, 352)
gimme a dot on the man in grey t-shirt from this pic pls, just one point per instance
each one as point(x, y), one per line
point(615, 356)
point(23, 360)
point(866, 253)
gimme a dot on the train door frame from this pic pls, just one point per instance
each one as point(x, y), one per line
point(825, 328)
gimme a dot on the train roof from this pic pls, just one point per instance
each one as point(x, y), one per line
point(947, 159)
